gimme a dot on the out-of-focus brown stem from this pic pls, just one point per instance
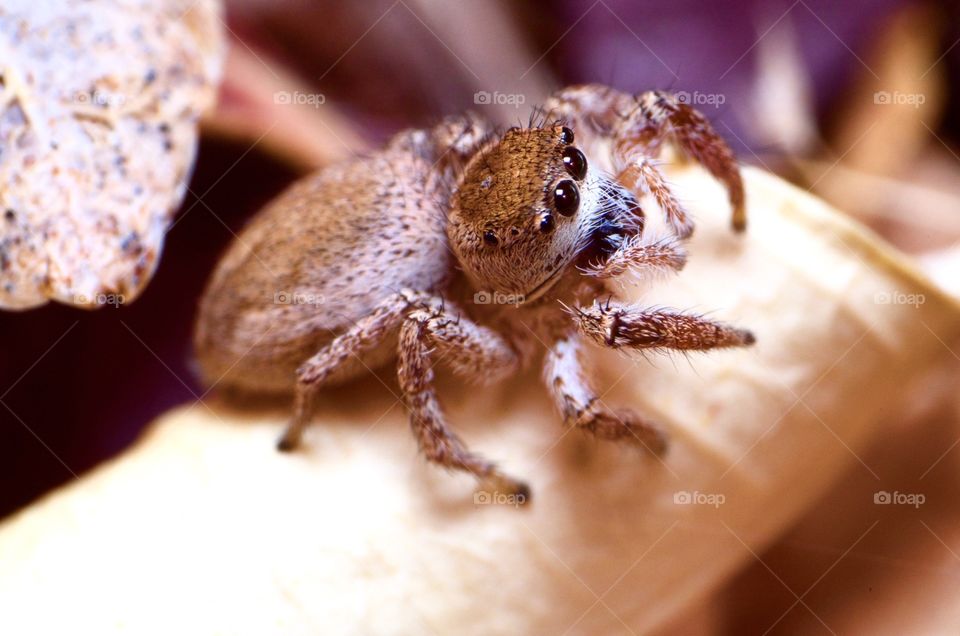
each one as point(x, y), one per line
point(264, 103)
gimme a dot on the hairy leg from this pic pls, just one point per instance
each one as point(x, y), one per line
point(660, 115)
point(581, 407)
point(366, 334)
point(638, 126)
point(631, 326)
point(639, 174)
point(635, 254)
point(472, 350)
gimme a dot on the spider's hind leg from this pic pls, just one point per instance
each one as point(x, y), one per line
point(366, 334)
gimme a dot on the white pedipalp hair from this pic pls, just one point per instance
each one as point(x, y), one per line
point(609, 212)
point(604, 201)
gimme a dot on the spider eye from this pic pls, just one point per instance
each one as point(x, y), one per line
point(575, 163)
point(490, 238)
point(566, 197)
point(546, 223)
point(566, 136)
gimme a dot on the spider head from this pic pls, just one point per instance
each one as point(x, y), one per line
point(529, 206)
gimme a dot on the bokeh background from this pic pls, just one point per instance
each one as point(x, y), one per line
point(857, 102)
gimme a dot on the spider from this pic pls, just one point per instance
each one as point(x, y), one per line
point(471, 247)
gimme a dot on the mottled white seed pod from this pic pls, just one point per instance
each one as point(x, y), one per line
point(99, 104)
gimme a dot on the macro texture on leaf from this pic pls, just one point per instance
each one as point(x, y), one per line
point(99, 104)
point(355, 532)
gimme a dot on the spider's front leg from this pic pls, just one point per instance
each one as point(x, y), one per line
point(634, 254)
point(471, 350)
point(638, 126)
point(660, 116)
point(617, 326)
point(581, 407)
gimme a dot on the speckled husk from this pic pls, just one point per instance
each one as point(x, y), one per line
point(99, 104)
point(357, 534)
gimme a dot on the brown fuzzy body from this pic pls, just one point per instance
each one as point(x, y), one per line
point(319, 258)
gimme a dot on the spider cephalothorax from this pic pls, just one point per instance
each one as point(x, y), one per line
point(395, 256)
point(528, 206)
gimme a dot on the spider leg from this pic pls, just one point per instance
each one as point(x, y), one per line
point(638, 126)
point(659, 116)
point(635, 254)
point(638, 328)
point(471, 350)
point(641, 175)
point(580, 406)
point(365, 335)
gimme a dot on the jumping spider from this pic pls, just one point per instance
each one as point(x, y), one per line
point(397, 255)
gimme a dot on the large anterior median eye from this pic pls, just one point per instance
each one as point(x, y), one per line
point(566, 197)
point(575, 163)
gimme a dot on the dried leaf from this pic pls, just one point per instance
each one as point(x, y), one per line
point(916, 211)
